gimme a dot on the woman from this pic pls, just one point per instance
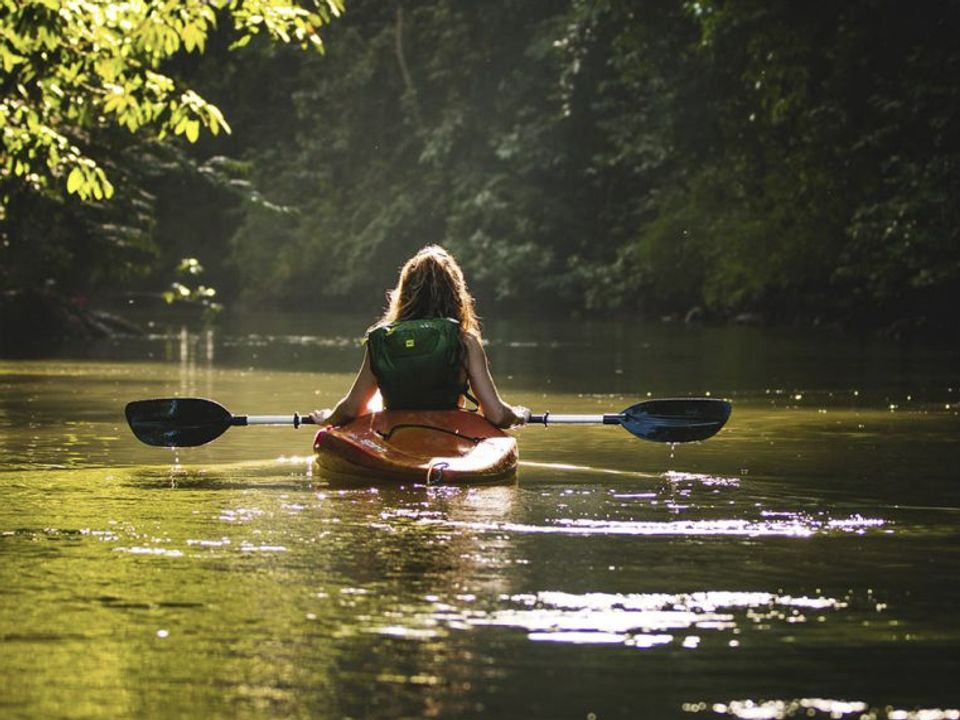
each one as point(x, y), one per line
point(426, 349)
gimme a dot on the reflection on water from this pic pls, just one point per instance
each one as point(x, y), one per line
point(809, 551)
point(634, 620)
point(815, 708)
point(789, 525)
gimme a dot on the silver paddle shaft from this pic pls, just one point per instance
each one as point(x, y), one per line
point(545, 419)
point(296, 420)
point(552, 419)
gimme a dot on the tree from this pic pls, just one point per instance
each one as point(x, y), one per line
point(71, 67)
point(79, 74)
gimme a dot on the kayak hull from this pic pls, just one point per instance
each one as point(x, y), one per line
point(433, 447)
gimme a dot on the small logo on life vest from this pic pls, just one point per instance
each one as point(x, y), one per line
point(409, 343)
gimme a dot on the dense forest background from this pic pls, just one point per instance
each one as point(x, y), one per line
point(797, 161)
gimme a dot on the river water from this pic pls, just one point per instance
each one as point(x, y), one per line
point(805, 562)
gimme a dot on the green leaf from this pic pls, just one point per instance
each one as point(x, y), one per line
point(75, 180)
point(107, 187)
point(242, 42)
point(193, 37)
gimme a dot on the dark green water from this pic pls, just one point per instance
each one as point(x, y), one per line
point(804, 563)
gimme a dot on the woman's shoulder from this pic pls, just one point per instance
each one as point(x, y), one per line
point(373, 331)
point(449, 326)
point(472, 340)
point(388, 323)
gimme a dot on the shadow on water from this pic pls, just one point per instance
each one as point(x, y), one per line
point(290, 474)
point(187, 481)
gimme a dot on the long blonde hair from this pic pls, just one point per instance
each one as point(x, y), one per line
point(431, 285)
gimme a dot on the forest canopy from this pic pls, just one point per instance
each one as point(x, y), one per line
point(793, 160)
point(90, 90)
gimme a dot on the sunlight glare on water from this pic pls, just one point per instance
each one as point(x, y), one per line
point(790, 525)
point(815, 708)
point(639, 621)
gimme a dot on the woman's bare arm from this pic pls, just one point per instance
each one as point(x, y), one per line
point(492, 405)
point(355, 402)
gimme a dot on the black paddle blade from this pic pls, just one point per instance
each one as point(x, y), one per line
point(177, 422)
point(677, 420)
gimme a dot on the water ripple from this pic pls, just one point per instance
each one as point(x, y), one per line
point(638, 620)
point(770, 525)
point(815, 708)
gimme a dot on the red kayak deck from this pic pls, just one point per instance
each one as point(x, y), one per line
point(435, 447)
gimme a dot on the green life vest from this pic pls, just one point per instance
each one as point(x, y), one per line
point(418, 364)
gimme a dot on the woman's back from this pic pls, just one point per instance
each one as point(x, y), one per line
point(418, 364)
point(426, 349)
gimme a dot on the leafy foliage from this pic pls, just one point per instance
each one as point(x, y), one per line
point(76, 71)
point(72, 66)
point(752, 156)
point(795, 160)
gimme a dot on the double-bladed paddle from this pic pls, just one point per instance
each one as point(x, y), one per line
point(671, 420)
point(188, 422)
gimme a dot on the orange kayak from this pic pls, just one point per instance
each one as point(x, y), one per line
point(434, 447)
